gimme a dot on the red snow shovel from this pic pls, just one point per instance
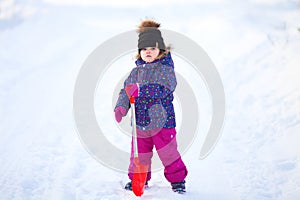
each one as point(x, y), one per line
point(139, 171)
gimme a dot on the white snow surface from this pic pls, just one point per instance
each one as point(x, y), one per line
point(255, 46)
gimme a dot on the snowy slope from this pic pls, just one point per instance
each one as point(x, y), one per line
point(255, 46)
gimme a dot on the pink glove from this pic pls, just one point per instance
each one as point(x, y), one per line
point(119, 113)
point(132, 90)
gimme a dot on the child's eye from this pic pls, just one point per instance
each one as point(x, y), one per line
point(144, 49)
point(153, 48)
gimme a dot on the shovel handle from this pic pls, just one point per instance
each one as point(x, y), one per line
point(132, 100)
point(134, 132)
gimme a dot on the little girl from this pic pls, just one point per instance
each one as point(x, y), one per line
point(152, 83)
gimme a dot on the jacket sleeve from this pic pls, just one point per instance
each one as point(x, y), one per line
point(164, 84)
point(123, 99)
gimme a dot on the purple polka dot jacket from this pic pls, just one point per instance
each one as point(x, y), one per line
point(154, 104)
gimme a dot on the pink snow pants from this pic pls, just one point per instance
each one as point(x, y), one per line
point(165, 143)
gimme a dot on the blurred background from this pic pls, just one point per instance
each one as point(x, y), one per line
point(254, 45)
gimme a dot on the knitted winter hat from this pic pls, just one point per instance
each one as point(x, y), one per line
point(150, 35)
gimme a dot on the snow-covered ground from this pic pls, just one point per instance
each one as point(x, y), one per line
point(255, 46)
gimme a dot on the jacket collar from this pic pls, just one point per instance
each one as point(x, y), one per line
point(166, 60)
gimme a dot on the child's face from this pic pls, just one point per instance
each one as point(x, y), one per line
point(149, 54)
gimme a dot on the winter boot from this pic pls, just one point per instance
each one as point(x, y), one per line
point(179, 187)
point(128, 186)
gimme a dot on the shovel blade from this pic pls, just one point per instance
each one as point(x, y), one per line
point(139, 178)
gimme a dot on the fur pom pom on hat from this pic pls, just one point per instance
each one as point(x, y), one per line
point(150, 35)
